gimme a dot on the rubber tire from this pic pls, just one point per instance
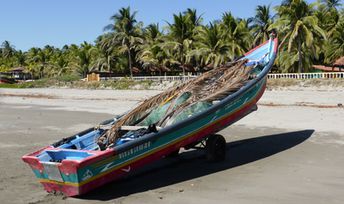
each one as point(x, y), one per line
point(215, 148)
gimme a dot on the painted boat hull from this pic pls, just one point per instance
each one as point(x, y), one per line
point(6, 80)
point(76, 177)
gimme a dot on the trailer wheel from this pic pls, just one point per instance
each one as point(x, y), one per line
point(216, 148)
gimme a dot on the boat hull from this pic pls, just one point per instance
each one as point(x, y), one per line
point(80, 178)
point(84, 170)
point(6, 80)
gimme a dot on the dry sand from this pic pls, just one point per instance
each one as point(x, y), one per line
point(289, 151)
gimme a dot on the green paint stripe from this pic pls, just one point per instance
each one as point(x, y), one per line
point(153, 150)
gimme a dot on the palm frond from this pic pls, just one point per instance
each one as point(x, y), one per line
point(210, 86)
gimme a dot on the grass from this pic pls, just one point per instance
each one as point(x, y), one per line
point(279, 83)
point(74, 82)
point(8, 85)
point(127, 83)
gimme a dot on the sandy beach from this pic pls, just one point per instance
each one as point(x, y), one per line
point(289, 151)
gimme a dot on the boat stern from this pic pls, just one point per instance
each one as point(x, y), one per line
point(56, 172)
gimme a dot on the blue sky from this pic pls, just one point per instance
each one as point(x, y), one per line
point(35, 23)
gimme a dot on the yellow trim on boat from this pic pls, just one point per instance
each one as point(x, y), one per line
point(139, 157)
point(59, 183)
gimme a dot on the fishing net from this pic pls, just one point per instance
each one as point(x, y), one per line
point(158, 113)
point(183, 101)
point(189, 111)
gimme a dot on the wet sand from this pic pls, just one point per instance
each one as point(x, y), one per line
point(290, 151)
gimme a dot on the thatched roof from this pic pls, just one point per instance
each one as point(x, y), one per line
point(17, 69)
point(339, 62)
point(328, 69)
point(136, 70)
point(211, 86)
point(337, 66)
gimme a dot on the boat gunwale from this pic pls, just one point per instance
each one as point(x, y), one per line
point(133, 160)
point(101, 155)
point(215, 107)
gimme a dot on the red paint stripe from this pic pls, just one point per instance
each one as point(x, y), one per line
point(67, 190)
point(33, 161)
point(114, 175)
point(276, 45)
point(259, 46)
point(111, 176)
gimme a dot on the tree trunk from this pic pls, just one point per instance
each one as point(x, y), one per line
point(300, 55)
point(108, 63)
point(182, 58)
point(41, 75)
point(129, 63)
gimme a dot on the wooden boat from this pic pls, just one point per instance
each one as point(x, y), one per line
point(78, 164)
point(6, 80)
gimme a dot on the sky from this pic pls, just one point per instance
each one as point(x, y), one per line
point(36, 23)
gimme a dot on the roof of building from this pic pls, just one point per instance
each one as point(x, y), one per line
point(337, 66)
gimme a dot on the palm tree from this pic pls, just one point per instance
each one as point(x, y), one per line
point(104, 54)
point(335, 46)
point(150, 54)
point(331, 4)
point(40, 59)
point(83, 59)
point(181, 36)
point(152, 33)
point(287, 61)
point(236, 34)
point(179, 39)
point(59, 64)
point(20, 58)
point(194, 20)
point(328, 15)
point(30, 60)
point(260, 24)
point(211, 48)
point(126, 34)
point(299, 27)
point(7, 50)
point(109, 57)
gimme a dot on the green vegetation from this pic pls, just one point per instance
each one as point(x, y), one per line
point(280, 83)
point(308, 34)
point(125, 83)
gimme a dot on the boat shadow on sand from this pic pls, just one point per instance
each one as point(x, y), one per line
point(192, 164)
